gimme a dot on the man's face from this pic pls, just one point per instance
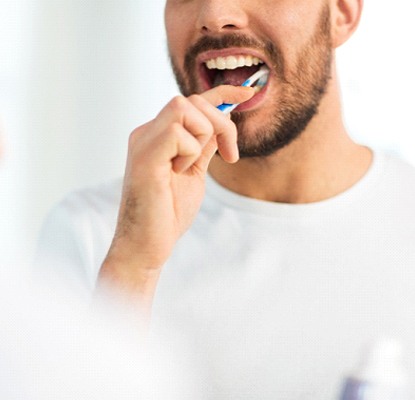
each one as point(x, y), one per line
point(291, 37)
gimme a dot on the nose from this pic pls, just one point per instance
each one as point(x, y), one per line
point(221, 16)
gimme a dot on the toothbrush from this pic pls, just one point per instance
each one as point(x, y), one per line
point(261, 76)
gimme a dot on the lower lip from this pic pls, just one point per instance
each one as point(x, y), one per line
point(254, 101)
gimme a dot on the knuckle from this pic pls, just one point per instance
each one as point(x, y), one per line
point(197, 151)
point(175, 130)
point(173, 134)
point(134, 135)
point(178, 103)
point(138, 134)
point(132, 139)
point(205, 128)
point(195, 147)
point(209, 130)
point(196, 98)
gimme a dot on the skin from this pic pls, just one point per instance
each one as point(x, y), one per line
point(169, 156)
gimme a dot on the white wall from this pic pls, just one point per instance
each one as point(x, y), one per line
point(14, 45)
point(77, 76)
point(377, 69)
point(80, 76)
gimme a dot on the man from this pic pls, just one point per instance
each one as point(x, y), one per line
point(300, 249)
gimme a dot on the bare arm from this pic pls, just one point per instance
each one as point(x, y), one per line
point(164, 186)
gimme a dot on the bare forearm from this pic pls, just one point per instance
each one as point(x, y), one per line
point(130, 280)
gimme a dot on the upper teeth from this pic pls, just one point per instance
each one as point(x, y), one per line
point(233, 62)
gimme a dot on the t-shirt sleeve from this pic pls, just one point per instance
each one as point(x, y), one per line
point(64, 249)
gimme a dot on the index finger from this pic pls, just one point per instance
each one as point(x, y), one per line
point(228, 94)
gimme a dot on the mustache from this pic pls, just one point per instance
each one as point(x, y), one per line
point(206, 43)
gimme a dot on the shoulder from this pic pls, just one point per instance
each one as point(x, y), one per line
point(100, 201)
point(396, 179)
point(84, 215)
point(397, 166)
point(77, 233)
point(397, 172)
point(99, 197)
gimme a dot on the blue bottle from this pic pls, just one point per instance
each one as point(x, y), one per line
point(380, 375)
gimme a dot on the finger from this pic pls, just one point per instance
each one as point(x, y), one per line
point(228, 94)
point(223, 127)
point(188, 149)
point(174, 147)
point(180, 110)
point(227, 138)
point(208, 151)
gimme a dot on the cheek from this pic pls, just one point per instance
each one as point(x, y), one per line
point(291, 25)
point(179, 29)
point(177, 50)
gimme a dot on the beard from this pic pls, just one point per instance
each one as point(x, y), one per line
point(301, 89)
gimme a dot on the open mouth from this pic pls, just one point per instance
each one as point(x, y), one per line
point(231, 70)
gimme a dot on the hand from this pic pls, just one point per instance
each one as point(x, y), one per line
point(165, 179)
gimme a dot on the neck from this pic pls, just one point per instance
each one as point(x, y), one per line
point(320, 164)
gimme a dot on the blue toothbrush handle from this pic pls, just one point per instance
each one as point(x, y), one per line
point(224, 106)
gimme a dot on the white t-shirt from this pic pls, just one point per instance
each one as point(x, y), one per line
point(276, 300)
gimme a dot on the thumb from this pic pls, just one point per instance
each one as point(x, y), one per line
point(207, 153)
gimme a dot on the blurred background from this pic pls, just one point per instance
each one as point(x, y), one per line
point(76, 77)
